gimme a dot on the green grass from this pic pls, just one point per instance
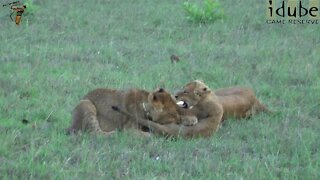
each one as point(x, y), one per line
point(65, 49)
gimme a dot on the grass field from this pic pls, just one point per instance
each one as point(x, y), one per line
point(67, 48)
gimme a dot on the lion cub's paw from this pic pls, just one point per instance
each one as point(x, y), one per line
point(189, 120)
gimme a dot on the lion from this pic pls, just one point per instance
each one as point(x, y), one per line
point(94, 112)
point(237, 102)
point(202, 103)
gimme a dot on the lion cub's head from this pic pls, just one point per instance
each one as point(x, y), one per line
point(162, 107)
point(192, 93)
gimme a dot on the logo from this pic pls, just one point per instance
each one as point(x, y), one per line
point(293, 12)
point(16, 8)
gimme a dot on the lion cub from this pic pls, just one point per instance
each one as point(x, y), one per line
point(94, 112)
point(237, 102)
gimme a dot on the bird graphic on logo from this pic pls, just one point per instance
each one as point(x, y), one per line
point(17, 8)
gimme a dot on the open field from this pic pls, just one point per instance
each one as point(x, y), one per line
point(68, 48)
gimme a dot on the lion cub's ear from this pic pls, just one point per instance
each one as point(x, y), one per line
point(202, 91)
point(199, 81)
point(161, 90)
point(155, 100)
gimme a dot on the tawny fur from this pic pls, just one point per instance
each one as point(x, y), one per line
point(94, 113)
point(234, 102)
point(205, 107)
point(239, 102)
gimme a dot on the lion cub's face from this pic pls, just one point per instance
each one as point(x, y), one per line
point(192, 93)
point(162, 107)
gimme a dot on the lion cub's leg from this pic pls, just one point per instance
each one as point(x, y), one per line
point(85, 118)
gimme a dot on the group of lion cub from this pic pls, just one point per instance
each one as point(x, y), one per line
point(195, 111)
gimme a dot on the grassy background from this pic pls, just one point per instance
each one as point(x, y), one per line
point(68, 48)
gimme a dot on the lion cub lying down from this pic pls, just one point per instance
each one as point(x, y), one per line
point(237, 102)
point(94, 112)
